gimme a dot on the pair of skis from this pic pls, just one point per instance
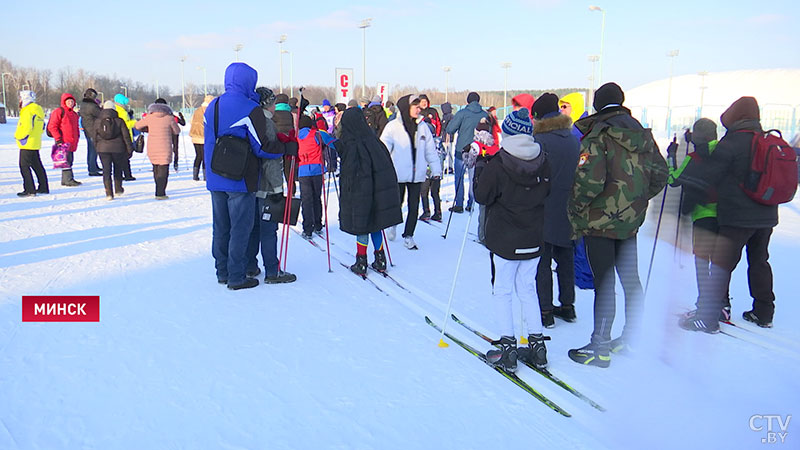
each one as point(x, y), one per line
point(512, 376)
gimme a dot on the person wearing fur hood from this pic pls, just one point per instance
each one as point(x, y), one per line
point(513, 188)
point(161, 128)
point(552, 130)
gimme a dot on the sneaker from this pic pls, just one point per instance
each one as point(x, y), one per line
point(535, 353)
point(548, 321)
point(751, 316)
point(425, 216)
point(71, 183)
point(246, 284)
point(693, 323)
point(380, 261)
point(109, 197)
point(408, 241)
point(162, 197)
point(254, 273)
point(131, 178)
point(391, 232)
point(592, 354)
point(456, 209)
point(437, 217)
point(565, 313)
point(620, 345)
point(360, 267)
point(42, 191)
point(504, 357)
point(280, 277)
point(26, 194)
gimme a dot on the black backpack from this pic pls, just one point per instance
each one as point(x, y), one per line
point(108, 128)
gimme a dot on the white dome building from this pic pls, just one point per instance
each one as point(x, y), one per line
point(777, 92)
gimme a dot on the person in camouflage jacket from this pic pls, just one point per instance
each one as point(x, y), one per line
point(619, 170)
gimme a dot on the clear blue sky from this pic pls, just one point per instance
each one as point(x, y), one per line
point(546, 41)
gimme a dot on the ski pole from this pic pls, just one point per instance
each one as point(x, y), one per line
point(287, 215)
point(460, 186)
point(442, 343)
point(655, 241)
point(386, 243)
point(680, 208)
point(325, 200)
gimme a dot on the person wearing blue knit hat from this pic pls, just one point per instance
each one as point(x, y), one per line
point(513, 187)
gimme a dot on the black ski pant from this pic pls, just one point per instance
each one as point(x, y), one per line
point(198, 156)
point(160, 175)
point(704, 237)
point(726, 255)
point(413, 205)
point(431, 186)
point(30, 160)
point(608, 258)
point(565, 270)
point(310, 200)
point(112, 163)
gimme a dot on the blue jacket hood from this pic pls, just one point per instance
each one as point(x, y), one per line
point(241, 78)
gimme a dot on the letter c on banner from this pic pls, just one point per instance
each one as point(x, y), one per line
point(344, 80)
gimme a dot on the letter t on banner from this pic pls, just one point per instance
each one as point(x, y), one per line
point(344, 87)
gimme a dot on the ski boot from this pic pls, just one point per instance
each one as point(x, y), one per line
point(751, 316)
point(504, 357)
point(566, 313)
point(535, 353)
point(360, 267)
point(592, 354)
point(380, 261)
point(548, 321)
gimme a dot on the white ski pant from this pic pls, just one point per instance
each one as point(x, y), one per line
point(520, 276)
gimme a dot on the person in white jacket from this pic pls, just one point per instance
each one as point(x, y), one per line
point(410, 142)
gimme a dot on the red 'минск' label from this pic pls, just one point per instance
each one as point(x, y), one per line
point(60, 308)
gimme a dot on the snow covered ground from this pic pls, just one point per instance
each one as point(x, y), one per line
point(178, 361)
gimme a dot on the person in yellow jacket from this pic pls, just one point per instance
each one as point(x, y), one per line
point(29, 139)
point(121, 105)
point(198, 137)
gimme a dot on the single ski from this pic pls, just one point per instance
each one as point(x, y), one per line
point(310, 241)
point(363, 277)
point(389, 277)
point(544, 372)
point(510, 375)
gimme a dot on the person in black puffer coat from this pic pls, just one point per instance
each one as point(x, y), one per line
point(742, 223)
point(553, 131)
point(369, 202)
point(513, 187)
point(113, 142)
point(89, 112)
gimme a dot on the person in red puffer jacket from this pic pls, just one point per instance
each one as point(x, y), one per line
point(63, 126)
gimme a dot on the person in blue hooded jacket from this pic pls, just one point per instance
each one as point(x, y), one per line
point(464, 123)
point(237, 113)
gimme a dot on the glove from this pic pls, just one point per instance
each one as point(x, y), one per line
point(672, 150)
point(687, 135)
point(288, 137)
point(180, 114)
point(59, 142)
point(291, 148)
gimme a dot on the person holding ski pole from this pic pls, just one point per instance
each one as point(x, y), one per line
point(513, 187)
point(619, 170)
point(369, 202)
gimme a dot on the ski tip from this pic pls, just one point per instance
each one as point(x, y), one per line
point(443, 344)
point(453, 316)
point(427, 319)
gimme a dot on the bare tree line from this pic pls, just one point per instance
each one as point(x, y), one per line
point(49, 86)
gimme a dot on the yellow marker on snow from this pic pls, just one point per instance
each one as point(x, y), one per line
point(443, 344)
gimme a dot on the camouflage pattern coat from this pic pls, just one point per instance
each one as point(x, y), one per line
point(620, 169)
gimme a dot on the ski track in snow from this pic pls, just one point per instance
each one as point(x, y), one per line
point(178, 361)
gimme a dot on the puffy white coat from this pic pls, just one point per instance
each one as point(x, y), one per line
point(409, 169)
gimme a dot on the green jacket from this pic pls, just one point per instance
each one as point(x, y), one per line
point(620, 169)
point(697, 194)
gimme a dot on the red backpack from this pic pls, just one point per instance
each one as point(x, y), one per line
point(772, 178)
